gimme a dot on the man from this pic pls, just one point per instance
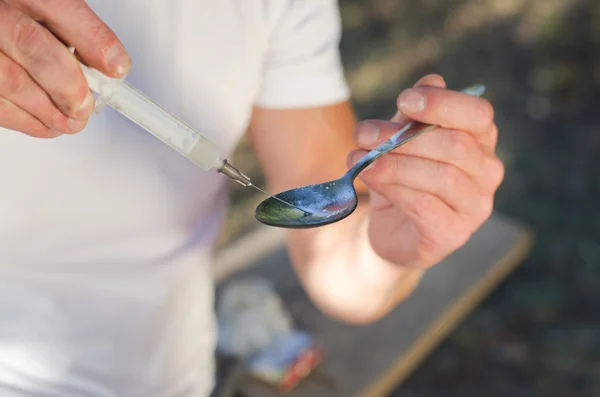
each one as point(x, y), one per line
point(106, 233)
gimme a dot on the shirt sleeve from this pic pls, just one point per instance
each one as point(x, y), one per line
point(302, 65)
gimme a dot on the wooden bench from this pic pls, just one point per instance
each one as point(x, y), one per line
point(370, 361)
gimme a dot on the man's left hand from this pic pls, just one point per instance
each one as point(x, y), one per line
point(431, 194)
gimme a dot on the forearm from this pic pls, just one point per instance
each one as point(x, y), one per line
point(431, 195)
point(336, 264)
point(342, 273)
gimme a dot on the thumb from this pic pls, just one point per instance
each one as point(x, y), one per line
point(431, 80)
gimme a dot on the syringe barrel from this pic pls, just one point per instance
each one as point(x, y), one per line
point(144, 112)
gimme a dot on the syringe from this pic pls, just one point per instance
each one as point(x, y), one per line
point(125, 99)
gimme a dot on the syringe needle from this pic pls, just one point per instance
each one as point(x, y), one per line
point(277, 198)
point(234, 174)
point(245, 181)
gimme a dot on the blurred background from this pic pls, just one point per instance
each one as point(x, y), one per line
point(538, 334)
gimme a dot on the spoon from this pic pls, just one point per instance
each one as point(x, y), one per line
point(325, 203)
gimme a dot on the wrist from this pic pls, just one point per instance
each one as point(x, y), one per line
point(392, 282)
point(344, 276)
point(367, 285)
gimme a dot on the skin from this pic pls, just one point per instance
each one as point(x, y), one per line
point(423, 201)
point(43, 92)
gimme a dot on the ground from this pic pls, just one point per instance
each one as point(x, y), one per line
point(539, 332)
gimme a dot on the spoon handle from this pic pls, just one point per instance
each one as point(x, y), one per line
point(408, 132)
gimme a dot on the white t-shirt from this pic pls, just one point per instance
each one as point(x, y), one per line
point(106, 287)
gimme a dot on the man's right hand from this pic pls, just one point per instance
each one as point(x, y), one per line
point(43, 92)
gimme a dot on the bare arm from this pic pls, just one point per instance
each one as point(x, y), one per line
point(425, 199)
point(346, 280)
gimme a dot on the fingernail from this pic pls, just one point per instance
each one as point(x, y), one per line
point(86, 107)
point(368, 134)
point(75, 125)
point(369, 167)
point(52, 133)
point(118, 59)
point(412, 101)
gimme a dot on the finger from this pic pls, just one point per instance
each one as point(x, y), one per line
point(448, 146)
point(493, 137)
point(450, 109)
point(431, 217)
point(76, 24)
point(49, 63)
point(430, 80)
point(447, 182)
point(16, 119)
point(17, 87)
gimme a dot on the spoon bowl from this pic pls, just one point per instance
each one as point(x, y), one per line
point(313, 205)
point(325, 203)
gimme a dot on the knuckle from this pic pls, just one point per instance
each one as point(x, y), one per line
point(29, 39)
point(13, 79)
point(486, 208)
point(97, 32)
point(103, 36)
point(487, 112)
point(494, 134)
point(458, 143)
point(496, 171)
point(449, 176)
